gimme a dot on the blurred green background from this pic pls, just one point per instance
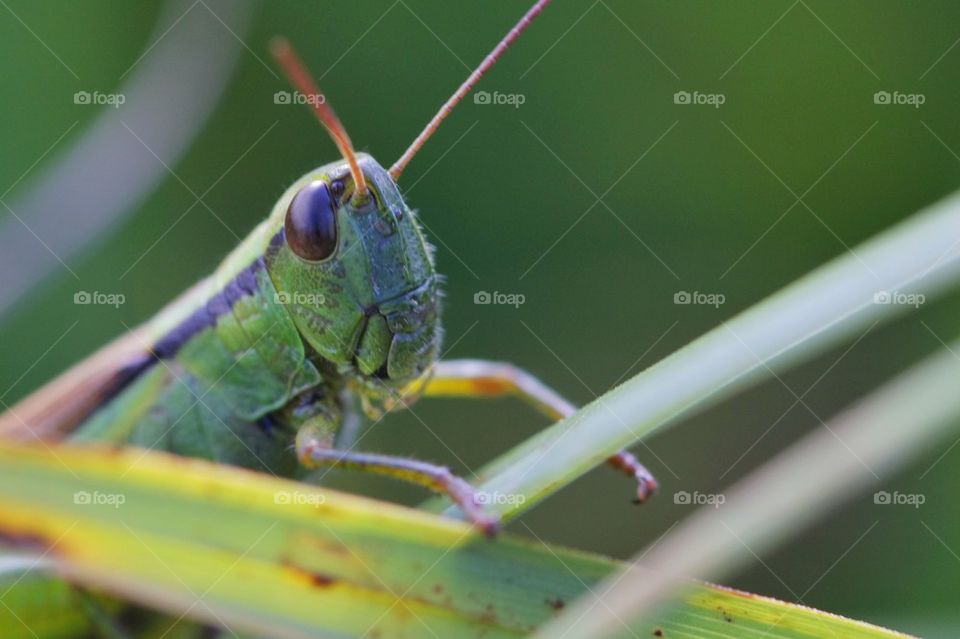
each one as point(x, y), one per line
point(699, 200)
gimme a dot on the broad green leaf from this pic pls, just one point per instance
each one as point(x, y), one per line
point(281, 559)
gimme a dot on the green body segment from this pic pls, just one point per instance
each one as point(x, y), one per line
point(271, 342)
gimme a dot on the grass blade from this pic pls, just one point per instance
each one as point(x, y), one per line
point(256, 554)
point(776, 501)
point(833, 303)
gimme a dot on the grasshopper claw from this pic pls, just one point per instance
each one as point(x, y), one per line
point(628, 464)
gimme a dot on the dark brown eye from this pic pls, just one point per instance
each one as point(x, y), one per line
point(311, 222)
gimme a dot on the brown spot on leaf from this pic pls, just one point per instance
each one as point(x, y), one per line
point(557, 604)
point(322, 580)
point(315, 579)
point(658, 632)
point(486, 386)
point(726, 617)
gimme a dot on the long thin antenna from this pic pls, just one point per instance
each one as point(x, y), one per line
point(464, 89)
point(300, 78)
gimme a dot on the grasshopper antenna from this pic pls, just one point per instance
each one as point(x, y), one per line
point(397, 169)
point(300, 78)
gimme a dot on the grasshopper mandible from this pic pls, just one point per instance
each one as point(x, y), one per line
point(333, 300)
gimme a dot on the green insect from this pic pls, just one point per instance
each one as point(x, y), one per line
point(329, 305)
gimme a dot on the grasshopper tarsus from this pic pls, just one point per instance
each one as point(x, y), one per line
point(647, 484)
point(490, 528)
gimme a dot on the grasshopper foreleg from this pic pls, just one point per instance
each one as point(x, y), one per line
point(483, 379)
point(314, 449)
point(317, 422)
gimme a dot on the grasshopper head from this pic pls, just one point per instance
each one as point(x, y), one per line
point(356, 274)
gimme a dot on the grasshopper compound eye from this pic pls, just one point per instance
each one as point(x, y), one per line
point(311, 222)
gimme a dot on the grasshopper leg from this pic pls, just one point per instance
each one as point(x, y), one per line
point(314, 450)
point(482, 379)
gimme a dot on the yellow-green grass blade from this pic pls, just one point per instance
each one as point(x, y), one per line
point(281, 559)
point(872, 438)
point(841, 300)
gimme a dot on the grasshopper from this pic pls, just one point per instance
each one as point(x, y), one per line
point(330, 304)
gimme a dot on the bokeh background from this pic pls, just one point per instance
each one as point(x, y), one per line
point(693, 198)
